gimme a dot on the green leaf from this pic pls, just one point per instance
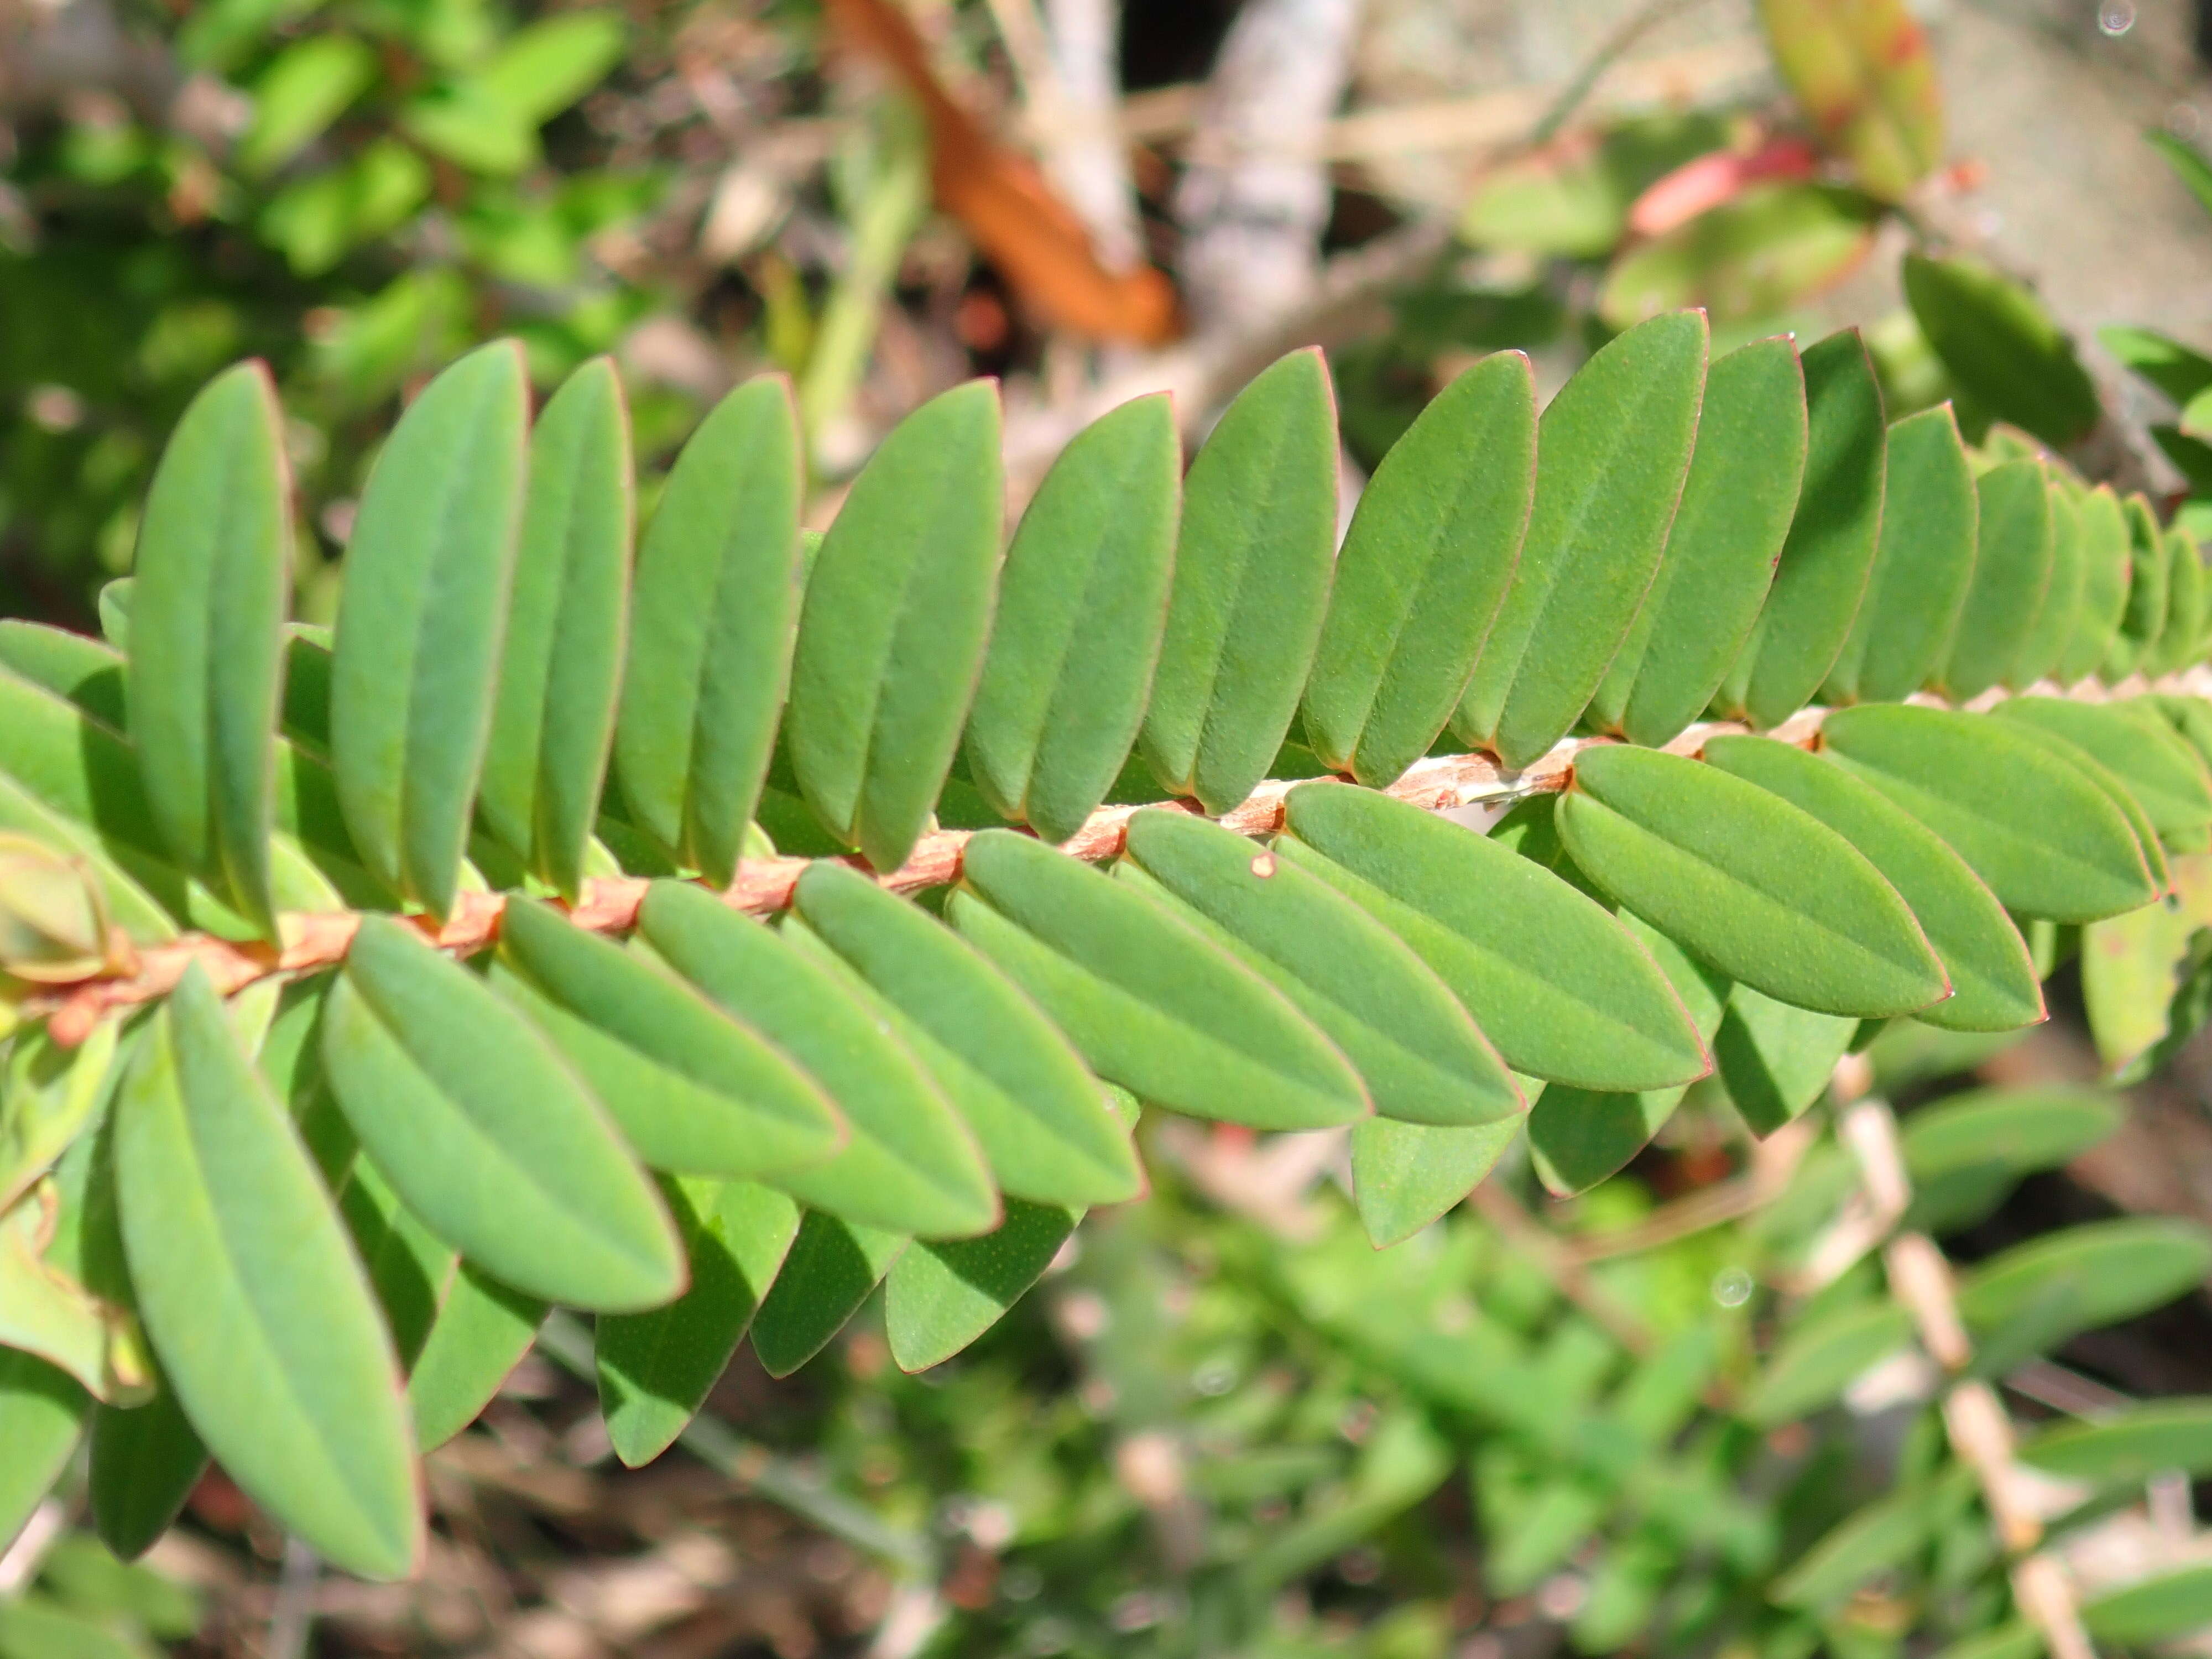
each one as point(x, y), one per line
point(1822, 1356)
point(2104, 585)
point(266, 1326)
point(145, 1463)
point(482, 1331)
point(1432, 548)
point(1082, 607)
point(1612, 452)
point(1040, 1116)
point(408, 1266)
point(940, 1297)
point(1252, 571)
point(1148, 1000)
point(891, 636)
point(2145, 619)
point(75, 667)
point(2182, 642)
point(1829, 555)
point(1590, 1009)
point(2162, 773)
point(1775, 1060)
point(1420, 1054)
point(1737, 502)
point(42, 1417)
point(305, 88)
point(655, 1369)
point(2188, 164)
point(485, 1135)
point(2060, 613)
point(2047, 841)
point(78, 1572)
point(2013, 560)
point(1922, 565)
point(1967, 1151)
point(2152, 1610)
point(1404, 1175)
point(2064, 1283)
point(832, 1267)
point(2179, 371)
point(214, 564)
point(1864, 74)
point(692, 1089)
point(716, 614)
point(542, 68)
point(910, 1164)
point(1993, 983)
point(2001, 347)
point(560, 667)
point(1579, 1137)
point(1760, 889)
point(470, 125)
point(1884, 1536)
point(427, 572)
point(1758, 254)
point(2127, 1449)
point(36, 1627)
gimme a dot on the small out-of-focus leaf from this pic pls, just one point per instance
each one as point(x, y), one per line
point(2180, 371)
point(828, 1273)
point(1757, 887)
point(305, 87)
point(716, 611)
point(1922, 565)
point(1862, 71)
point(1876, 1539)
point(2054, 1287)
point(2188, 163)
point(2152, 1610)
point(1432, 548)
point(2183, 641)
point(1082, 606)
point(2001, 347)
point(1252, 570)
point(1742, 492)
point(1755, 256)
point(2129, 1447)
point(1149, 1002)
point(1613, 451)
point(1820, 1358)
point(542, 68)
point(940, 1297)
point(1966, 1152)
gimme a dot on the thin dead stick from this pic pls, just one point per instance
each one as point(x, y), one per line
point(310, 941)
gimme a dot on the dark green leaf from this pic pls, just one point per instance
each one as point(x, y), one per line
point(1775, 1060)
point(1884, 1536)
point(1741, 491)
point(2012, 574)
point(910, 1164)
point(266, 1328)
point(716, 611)
point(145, 1463)
point(2084, 1277)
point(2152, 1610)
point(1760, 889)
point(1433, 546)
point(1149, 1001)
point(484, 1132)
point(1404, 1175)
point(562, 664)
point(655, 1368)
point(2047, 841)
point(831, 1267)
point(1420, 1056)
point(214, 568)
point(1040, 1115)
point(1993, 984)
point(482, 1331)
point(1082, 607)
point(2001, 346)
point(692, 1089)
point(891, 634)
point(2140, 1442)
point(428, 573)
point(1252, 571)
point(1612, 452)
point(2104, 584)
point(1590, 1009)
point(1829, 555)
point(941, 1297)
point(1966, 1151)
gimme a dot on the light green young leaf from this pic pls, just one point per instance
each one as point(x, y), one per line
point(1149, 1001)
point(1829, 555)
point(891, 634)
point(1612, 450)
point(1993, 984)
point(266, 1326)
point(428, 574)
point(1432, 548)
point(543, 67)
point(655, 1369)
point(1922, 565)
point(1420, 1054)
point(692, 1088)
point(554, 715)
point(831, 1267)
point(1745, 477)
point(214, 570)
point(1040, 1117)
point(940, 1297)
point(1082, 607)
point(2047, 841)
point(1591, 1009)
point(1252, 571)
point(306, 87)
point(910, 1164)
point(486, 1135)
point(1760, 889)
point(716, 612)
